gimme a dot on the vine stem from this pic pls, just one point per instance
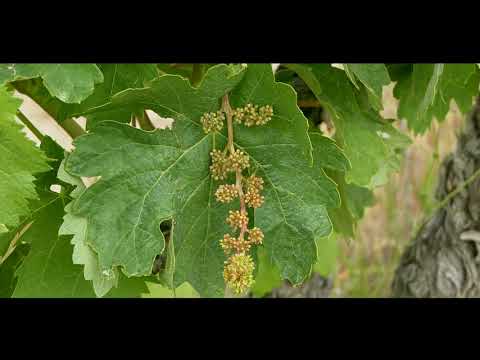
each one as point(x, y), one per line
point(21, 116)
point(13, 243)
point(460, 188)
point(309, 103)
point(231, 148)
point(449, 197)
point(71, 127)
point(145, 122)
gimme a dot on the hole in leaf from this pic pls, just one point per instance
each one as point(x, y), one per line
point(165, 227)
point(56, 188)
point(158, 121)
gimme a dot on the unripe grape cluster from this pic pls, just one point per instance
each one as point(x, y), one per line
point(238, 272)
point(222, 164)
point(239, 266)
point(226, 193)
point(252, 115)
point(237, 219)
point(212, 121)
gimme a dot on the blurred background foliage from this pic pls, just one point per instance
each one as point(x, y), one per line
point(366, 264)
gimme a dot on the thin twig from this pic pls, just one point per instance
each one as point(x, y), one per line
point(449, 197)
point(455, 192)
point(145, 122)
point(238, 173)
point(71, 127)
point(309, 103)
point(14, 241)
point(21, 116)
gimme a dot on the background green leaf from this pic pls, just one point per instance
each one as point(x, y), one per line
point(19, 160)
point(71, 83)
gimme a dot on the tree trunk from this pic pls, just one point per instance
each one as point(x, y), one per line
point(443, 259)
point(315, 287)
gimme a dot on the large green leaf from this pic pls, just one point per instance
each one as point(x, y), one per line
point(117, 77)
point(103, 281)
point(19, 160)
point(373, 76)
point(426, 91)
point(167, 170)
point(267, 277)
point(370, 144)
point(150, 177)
point(354, 201)
point(328, 249)
point(8, 269)
point(48, 270)
point(158, 291)
point(71, 83)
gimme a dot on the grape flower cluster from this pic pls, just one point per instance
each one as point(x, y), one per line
point(252, 115)
point(212, 121)
point(239, 266)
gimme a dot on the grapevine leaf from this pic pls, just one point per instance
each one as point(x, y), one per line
point(150, 177)
point(117, 77)
point(167, 176)
point(290, 219)
point(158, 291)
point(350, 75)
point(358, 198)
point(184, 70)
point(327, 255)
point(71, 83)
point(366, 140)
point(132, 287)
point(20, 159)
point(111, 282)
point(373, 77)
point(354, 201)
point(103, 281)
point(36, 90)
point(48, 271)
point(268, 277)
point(5, 240)
point(426, 91)
point(8, 268)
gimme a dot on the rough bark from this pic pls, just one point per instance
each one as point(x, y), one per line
point(443, 259)
point(315, 287)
